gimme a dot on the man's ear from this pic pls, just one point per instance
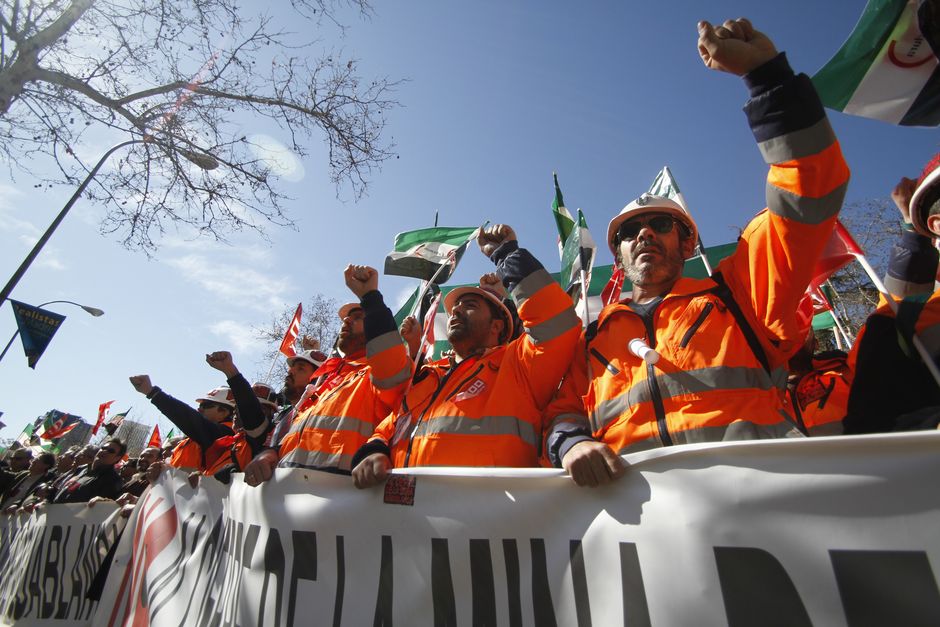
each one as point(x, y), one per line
point(933, 224)
point(500, 329)
point(688, 246)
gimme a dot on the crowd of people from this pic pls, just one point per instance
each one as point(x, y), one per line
point(678, 360)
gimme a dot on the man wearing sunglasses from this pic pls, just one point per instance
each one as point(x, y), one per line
point(212, 422)
point(97, 479)
point(704, 360)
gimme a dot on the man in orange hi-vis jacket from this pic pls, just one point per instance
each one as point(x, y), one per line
point(350, 394)
point(709, 356)
point(483, 405)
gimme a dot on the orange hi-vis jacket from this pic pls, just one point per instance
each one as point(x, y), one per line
point(487, 409)
point(819, 399)
point(725, 341)
point(327, 434)
point(190, 455)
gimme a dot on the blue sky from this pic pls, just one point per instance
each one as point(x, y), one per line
point(498, 95)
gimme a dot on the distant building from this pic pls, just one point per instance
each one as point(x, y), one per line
point(79, 435)
point(135, 435)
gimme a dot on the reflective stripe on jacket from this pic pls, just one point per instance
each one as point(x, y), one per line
point(487, 409)
point(327, 434)
point(709, 383)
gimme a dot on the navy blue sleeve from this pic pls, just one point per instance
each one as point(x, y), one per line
point(201, 430)
point(378, 317)
point(781, 102)
point(513, 264)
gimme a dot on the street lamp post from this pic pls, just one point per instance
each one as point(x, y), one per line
point(204, 161)
point(92, 310)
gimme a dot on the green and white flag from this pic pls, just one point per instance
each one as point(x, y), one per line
point(26, 437)
point(426, 252)
point(563, 220)
point(665, 185)
point(576, 247)
point(888, 68)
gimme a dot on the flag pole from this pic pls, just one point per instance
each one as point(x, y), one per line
point(849, 340)
point(267, 379)
point(918, 344)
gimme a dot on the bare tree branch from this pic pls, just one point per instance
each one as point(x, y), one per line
point(182, 72)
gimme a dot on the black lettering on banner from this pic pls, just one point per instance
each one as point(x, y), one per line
point(173, 574)
point(442, 585)
point(513, 582)
point(481, 584)
point(582, 603)
point(636, 612)
point(210, 611)
point(35, 587)
point(304, 567)
point(238, 562)
point(247, 562)
point(757, 590)
point(542, 606)
point(340, 582)
point(65, 559)
point(51, 586)
point(383, 601)
point(207, 565)
point(23, 593)
point(75, 605)
point(273, 567)
point(886, 588)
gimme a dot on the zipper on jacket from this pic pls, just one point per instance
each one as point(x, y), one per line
point(440, 386)
point(695, 325)
point(609, 366)
point(655, 394)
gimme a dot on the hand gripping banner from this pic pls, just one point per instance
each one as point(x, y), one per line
point(826, 531)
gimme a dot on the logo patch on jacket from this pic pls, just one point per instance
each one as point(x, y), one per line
point(400, 490)
point(474, 389)
point(401, 428)
point(812, 390)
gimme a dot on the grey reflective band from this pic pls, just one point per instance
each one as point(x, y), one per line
point(389, 382)
point(798, 144)
point(530, 285)
point(903, 289)
point(738, 430)
point(576, 419)
point(364, 428)
point(555, 326)
point(803, 209)
point(714, 379)
point(383, 342)
point(487, 425)
point(316, 460)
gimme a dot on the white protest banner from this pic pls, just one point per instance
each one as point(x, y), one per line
point(827, 531)
point(48, 560)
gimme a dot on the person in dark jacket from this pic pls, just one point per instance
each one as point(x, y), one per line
point(213, 421)
point(98, 479)
point(40, 472)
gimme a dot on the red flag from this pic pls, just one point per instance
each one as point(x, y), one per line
point(611, 292)
point(290, 337)
point(429, 327)
point(155, 438)
point(839, 251)
point(102, 413)
point(62, 424)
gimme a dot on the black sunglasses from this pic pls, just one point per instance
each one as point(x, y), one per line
point(207, 405)
point(111, 451)
point(630, 229)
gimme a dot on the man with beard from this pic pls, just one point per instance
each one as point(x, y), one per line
point(482, 405)
point(352, 392)
point(255, 403)
point(687, 360)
